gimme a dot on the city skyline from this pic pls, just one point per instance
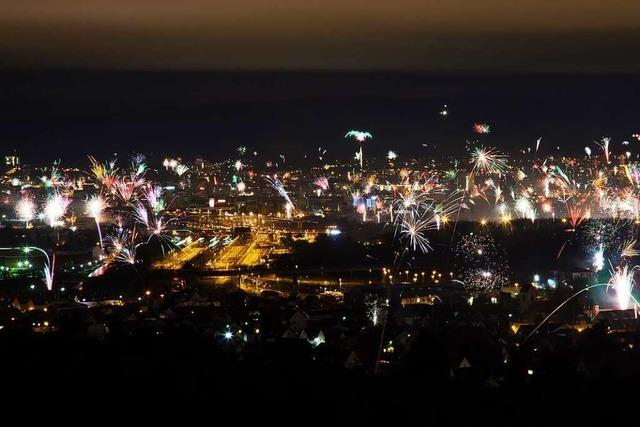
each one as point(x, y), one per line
point(359, 210)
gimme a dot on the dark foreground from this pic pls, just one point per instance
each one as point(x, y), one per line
point(185, 375)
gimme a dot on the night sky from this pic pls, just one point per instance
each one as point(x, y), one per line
point(187, 78)
point(48, 115)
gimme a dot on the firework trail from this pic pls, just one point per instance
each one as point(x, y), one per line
point(605, 147)
point(321, 153)
point(95, 206)
point(622, 282)
point(277, 185)
point(360, 137)
point(49, 266)
point(559, 307)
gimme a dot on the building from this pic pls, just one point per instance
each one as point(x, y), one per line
point(11, 160)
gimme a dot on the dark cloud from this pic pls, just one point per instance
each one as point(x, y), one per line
point(552, 35)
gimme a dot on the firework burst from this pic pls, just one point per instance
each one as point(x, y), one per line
point(481, 128)
point(418, 213)
point(55, 208)
point(322, 182)
point(25, 209)
point(480, 263)
point(414, 229)
point(488, 161)
point(181, 169)
point(122, 246)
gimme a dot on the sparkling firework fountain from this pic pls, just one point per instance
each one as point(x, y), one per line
point(622, 282)
point(25, 209)
point(55, 208)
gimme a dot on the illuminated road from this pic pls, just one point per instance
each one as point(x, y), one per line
point(245, 251)
point(176, 259)
point(284, 285)
point(229, 257)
